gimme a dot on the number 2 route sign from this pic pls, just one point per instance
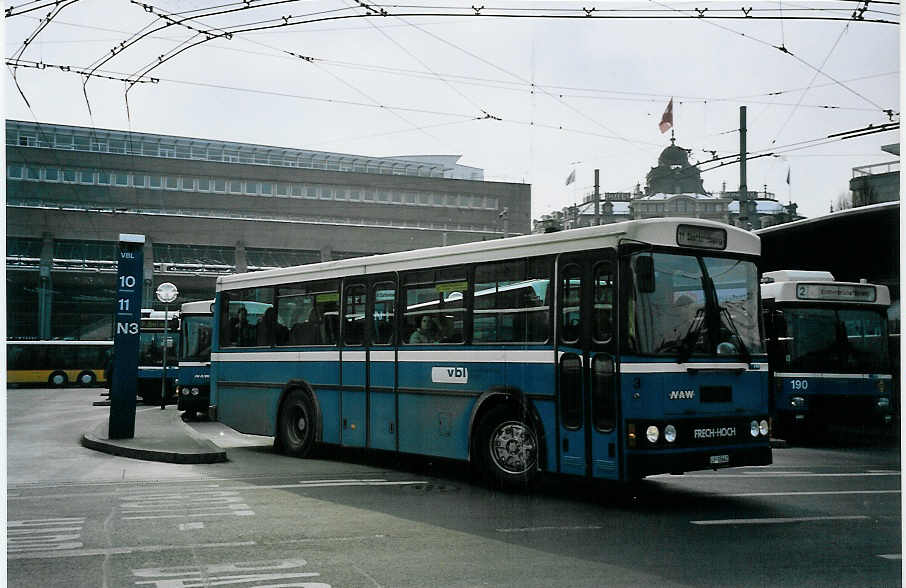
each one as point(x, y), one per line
point(126, 329)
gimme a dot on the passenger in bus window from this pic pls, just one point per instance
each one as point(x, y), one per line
point(426, 332)
point(265, 334)
point(242, 328)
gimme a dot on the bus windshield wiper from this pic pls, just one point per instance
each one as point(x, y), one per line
point(688, 343)
point(744, 351)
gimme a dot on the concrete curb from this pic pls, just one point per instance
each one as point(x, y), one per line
point(193, 449)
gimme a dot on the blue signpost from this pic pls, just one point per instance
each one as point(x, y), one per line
point(126, 336)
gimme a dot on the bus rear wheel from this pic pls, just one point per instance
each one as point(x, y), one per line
point(86, 379)
point(57, 378)
point(508, 449)
point(297, 425)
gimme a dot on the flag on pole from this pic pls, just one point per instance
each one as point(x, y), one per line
point(787, 176)
point(571, 177)
point(667, 118)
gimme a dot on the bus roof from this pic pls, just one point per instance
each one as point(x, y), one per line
point(197, 307)
point(147, 313)
point(796, 276)
point(660, 231)
point(57, 342)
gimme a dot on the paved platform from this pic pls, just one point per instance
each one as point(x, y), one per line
point(160, 435)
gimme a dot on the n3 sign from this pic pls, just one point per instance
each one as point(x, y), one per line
point(126, 328)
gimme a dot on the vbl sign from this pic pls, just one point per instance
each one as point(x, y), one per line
point(128, 313)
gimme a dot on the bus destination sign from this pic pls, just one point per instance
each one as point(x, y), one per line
point(841, 292)
point(702, 237)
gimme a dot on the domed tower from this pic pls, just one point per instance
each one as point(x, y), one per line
point(674, 174)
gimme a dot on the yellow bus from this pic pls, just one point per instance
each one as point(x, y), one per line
point(57, 363)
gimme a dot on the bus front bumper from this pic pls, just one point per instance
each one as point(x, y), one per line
point(197, 402)
point(648, 463)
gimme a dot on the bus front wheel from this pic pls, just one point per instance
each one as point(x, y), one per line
point(297, 426)
point(57, 378)
point(508, 448)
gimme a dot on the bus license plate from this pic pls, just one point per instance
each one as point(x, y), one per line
point(719, 459)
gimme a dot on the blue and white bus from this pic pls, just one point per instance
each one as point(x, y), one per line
point(159, 330)
point(828, 348)
point(193, 383)
point(611, 352)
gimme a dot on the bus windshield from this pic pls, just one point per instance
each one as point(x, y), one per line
point(694, 305)
point(151, 349)
point(833, 340)
point(195, 338)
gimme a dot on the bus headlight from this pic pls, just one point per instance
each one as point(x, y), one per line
point(194, 391)
point(797, 402)
point(185, 391)
point(763, 427)
point(753, 428)
point(652, 434)
point(883, 402)
point(670, 433)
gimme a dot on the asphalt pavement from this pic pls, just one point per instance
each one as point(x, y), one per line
point(160, 435)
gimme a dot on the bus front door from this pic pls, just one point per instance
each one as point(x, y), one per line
point(587, 385)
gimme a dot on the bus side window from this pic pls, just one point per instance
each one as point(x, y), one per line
point(603, 303)
point(382, 315)
point(570, 287)
point(354, 315)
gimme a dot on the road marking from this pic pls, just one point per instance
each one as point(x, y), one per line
point(334, 539)
point(786, 473)
point(541, 529)
point(808, 493)
point(777, 521)
point(190, 526)
point(217, 503)
point(359, 483)
point(192, 515)
point(793, 475)
point(892, 556)
point(230, 573)
point(125, 550)
point(44, 535)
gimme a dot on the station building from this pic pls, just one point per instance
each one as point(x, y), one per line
point(674, 187)
point(209, 207)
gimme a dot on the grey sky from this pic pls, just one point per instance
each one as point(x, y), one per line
point(601, 86)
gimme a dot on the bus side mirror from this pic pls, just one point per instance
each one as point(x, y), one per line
point(644, 274)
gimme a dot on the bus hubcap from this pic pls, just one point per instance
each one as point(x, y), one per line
point(513, 447)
